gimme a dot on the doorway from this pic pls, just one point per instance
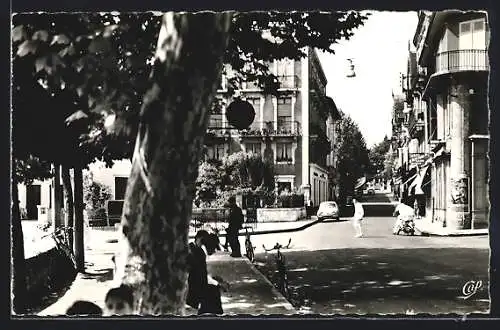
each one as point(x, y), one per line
point(33, 199)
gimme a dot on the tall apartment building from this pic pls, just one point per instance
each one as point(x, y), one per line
point(294, 130)
point(448, 118)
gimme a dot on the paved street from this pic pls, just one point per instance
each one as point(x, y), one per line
point(330, 271)
point(377, 231)
point(345, 281)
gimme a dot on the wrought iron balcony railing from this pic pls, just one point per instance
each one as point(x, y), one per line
point(273, 128)
point(286, 82)
point(462, 60)
point(258, 128)
point(415, 125)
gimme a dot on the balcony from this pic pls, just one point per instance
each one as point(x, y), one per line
point(217, 128)
point(272, 128)
point(462, 60)
point(288, 82)
point(416, 125)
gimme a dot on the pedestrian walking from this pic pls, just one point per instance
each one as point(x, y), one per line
point(235, 224)
point(203, 289)
point(359, 214)
point(416, 208)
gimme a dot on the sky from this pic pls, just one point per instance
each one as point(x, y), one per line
point(379, 50)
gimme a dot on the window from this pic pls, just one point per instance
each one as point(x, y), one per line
point(472, 37)
point(216, 114)
point(284, 152)
point(284, 113)
point(254, 148)
point(284, 186)
point(285, 73)
point(255, 102)
point(446, 114)
point(284, 68)
point(216, 151)
point(120, 187)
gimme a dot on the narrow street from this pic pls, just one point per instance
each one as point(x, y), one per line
point(330, 271)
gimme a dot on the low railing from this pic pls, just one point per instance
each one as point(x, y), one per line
point(257, 128)
point(462, 60)
point(218, 128)
point(272, 128)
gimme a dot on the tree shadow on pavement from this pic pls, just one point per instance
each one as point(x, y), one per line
point(100, 275)
point(45, 300)
point(349, 281)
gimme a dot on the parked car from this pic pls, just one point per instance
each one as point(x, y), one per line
point(328, 210)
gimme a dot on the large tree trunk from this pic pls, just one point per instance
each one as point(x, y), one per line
point(174, 117)
point(18, 261)
point(58, 198)
point(78, 228)
point(68, 198)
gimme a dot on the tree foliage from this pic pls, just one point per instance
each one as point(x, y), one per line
point(30, 169)
point(353, 160)
point(238, 173)
point(101, 63)
point(378, 155)
point(95, 194)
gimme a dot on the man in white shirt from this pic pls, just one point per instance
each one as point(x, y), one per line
point(403, 212)
point(359, 213)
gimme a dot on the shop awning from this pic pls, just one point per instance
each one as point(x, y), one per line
point(417, 183)
point(410, 179)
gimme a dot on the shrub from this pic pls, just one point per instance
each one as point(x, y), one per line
point(95, 194)
point(290, 200)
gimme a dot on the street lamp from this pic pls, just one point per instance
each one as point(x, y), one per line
point(351, 73)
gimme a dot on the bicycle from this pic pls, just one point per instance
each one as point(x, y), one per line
point(61, 238)
point(281, 267)
point(249, 248)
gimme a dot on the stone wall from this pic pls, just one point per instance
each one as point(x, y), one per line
point(280, 214)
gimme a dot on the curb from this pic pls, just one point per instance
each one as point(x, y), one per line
point(465, 232)
point(453, 234)
point(288, 306)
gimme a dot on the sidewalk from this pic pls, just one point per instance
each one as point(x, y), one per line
point(112, 234)
point(250, 291)
point(426, 227)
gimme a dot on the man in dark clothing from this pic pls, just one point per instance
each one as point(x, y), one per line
point(203, 290)
point(235, 224)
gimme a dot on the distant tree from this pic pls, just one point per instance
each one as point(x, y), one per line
point(389, 165)
point(377, 155)
point(95, 196)
point(352, 154)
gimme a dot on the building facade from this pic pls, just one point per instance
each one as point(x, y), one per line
point(295, 130)
point(447, 118)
